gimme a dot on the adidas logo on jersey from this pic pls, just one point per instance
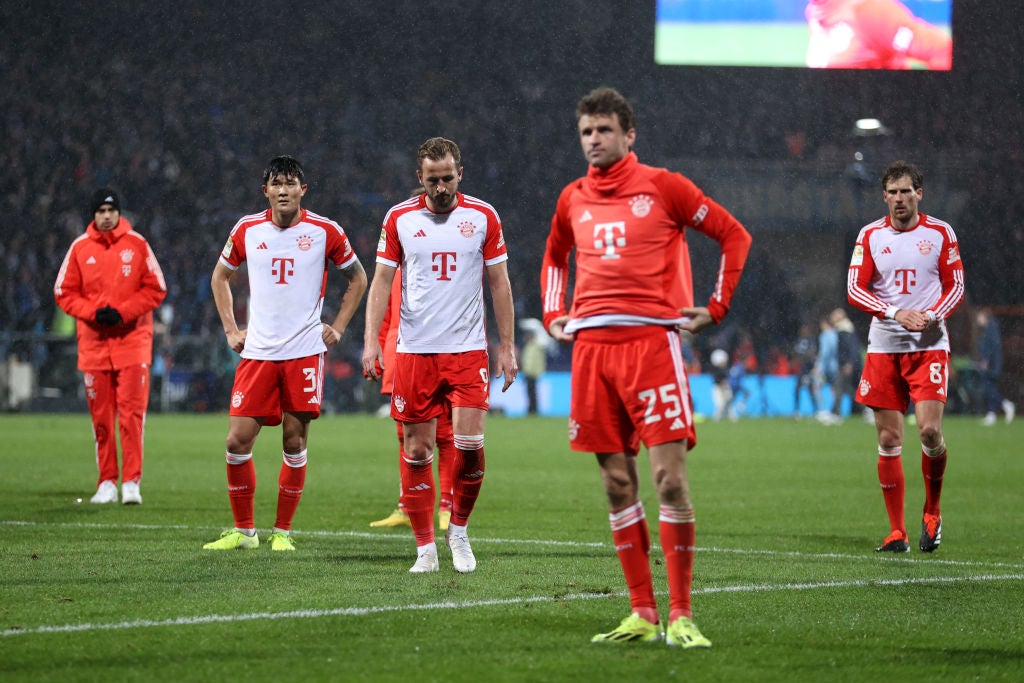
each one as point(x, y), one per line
point(420, 487)
point(887, 250)
point(313, 401)
point(91, 260)
point(420, 233)
point(677, 424)
point(586, 216)
point(263, 245)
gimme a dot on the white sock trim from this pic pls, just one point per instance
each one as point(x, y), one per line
point(296, 460)
point(237, 458)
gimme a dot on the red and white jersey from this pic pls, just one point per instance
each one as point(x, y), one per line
point(443, 257)
point(287, 280)
point(917, 269)
point(627, 224)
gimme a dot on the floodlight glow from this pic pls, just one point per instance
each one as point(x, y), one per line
point(868, 124)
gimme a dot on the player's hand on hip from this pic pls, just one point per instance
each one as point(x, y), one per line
point(700, 319)
point(236, 340)
point(556, 330)
point(331, 336)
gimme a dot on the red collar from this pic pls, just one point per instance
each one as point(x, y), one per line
point(122, 228)
point(608, 180)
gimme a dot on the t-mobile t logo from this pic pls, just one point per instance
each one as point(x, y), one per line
point(282, 268)
point(444, 263)
point(905, 278)
point(608, 236)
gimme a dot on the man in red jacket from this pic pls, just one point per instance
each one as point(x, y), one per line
point(110, 282)
point(627, 223)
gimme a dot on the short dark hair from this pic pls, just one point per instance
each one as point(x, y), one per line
point(607, 101)
point(283, 165)
point(898, 169)
point(436, 149)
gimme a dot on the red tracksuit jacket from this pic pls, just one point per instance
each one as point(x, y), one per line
point(119, 269)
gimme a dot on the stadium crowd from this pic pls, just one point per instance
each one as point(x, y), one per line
point(178, 111)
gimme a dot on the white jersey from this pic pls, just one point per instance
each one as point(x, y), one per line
point(917, 269)
point(287, 280)
point(443, 257)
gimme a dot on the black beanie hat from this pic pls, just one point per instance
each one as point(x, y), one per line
point(104, 195)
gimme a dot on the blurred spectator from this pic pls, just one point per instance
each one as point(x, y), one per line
point(826, 367)
point(721, 394)
point(534, 364)
point(990, 367)
point(805, 355)
point(849, 361)
point(738, 394)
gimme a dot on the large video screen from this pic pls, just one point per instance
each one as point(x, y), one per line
point(822, 34)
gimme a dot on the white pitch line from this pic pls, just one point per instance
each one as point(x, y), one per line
point(390, 536)
point(363, 611)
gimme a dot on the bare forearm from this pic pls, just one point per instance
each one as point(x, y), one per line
point(376, 307)
point(377, 302)
point(350, 300)
point(225, 302)
point(504, 309)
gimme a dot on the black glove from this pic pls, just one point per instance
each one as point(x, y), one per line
point(108, 316)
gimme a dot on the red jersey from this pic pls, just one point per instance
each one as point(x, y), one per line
point(873, 34)
point(388, 335)
point(917, 269)
point(114, 268)
point(628, 225)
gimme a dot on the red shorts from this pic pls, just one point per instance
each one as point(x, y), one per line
point(268, 388)
point(890, 380)
point(426, 382)
point(629, 384)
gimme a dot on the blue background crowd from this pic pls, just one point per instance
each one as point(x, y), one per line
point(179, 105)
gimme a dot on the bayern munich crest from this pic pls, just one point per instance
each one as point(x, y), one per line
point(641, 205)
point(236, 399)
point(865, 387)
point(127, 255)
point(467, 229)
point(399, 404)
point(924, 247)
point(305, 243)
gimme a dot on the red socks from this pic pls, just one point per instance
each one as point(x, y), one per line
point(890, 476)
point(289, 488)
point(447, 457)
point(933, 467)
point(469, 476)
point(418, 497)
point(633, 545)
point(678, 533)
point(242, 489)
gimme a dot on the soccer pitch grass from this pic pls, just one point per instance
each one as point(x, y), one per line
point(787, 585)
